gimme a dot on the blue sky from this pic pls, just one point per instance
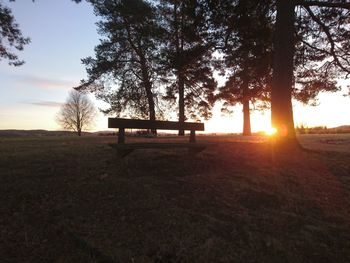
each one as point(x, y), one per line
point(62, 32)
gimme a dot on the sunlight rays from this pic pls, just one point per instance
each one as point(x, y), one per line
point(270, 131)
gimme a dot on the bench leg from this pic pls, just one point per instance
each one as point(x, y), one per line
point(193, 136)
point(121, 135)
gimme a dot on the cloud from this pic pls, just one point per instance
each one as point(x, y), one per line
point(44, 83)
point(44, 103)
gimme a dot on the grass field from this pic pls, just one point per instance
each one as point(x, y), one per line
point(66, 199)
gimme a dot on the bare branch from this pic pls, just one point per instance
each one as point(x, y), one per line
point(329, 37)
point(77, 113)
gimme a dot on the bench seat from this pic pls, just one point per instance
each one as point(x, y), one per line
point(123, 124)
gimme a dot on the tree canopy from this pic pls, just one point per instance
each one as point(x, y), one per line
point(150, 47)
point(186, 55)
point(124, 70)
point(11, 37)
point(247, 52)
point(325, 40)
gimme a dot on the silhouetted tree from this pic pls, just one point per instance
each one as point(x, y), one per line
point(124, 70)
point(316, 69)
point(77, 113)
point(187, 58)
point(311, 49)
point(310, 52)
point(247, 57)
point(328, 37)
point(10, 37)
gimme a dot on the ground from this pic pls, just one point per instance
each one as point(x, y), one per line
point(66, 199)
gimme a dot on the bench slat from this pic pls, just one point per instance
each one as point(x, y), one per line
point(159, 125)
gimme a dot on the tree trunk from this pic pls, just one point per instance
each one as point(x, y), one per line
point(246, 118)
point(282, 82)
point(149, 93)
point(78, 124)
point(151, 106)
point(179, 45)
point(246, 110)
point(181, 83)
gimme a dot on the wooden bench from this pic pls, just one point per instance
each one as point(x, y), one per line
point(123, 124)
point(124, 149)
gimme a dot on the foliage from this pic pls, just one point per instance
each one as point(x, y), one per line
point(10, 37)
point(304, 129)
point(77, 113)
point(324, 27)
point(322, 55)
point(316, 67)
point(247, 54)
point(123, 72)
point(187, 58)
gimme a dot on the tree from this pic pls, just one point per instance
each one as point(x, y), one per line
point(77, 113)
point(335, 54)
point(247, 58)
point(124, 70)
point(316, 70)
point(312, 70)
point(282, 81)
point(187, 58)
point(310, 50)
point(10, 37)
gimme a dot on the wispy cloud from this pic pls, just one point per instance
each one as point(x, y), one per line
point(44, 83)
point(44, 103)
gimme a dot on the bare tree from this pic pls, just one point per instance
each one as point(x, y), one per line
point(78, 113)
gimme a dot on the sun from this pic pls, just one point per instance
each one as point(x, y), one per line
point(270, 131)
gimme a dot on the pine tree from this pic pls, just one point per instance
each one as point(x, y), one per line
point(10, 37)
point(187, 58)
point(247, 58)
point(124, 70)
point(310, 50)
point(326, 41)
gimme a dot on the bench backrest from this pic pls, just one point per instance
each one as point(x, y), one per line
point(158, 125)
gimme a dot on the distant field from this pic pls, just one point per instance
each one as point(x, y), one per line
point(327, 142)
point(69, 199)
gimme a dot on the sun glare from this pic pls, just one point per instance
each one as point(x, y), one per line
point(270, 131)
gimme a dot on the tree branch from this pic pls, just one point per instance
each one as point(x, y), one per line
point(306, 3)
point(329, 37)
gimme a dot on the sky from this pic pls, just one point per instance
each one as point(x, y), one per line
point(62, 33)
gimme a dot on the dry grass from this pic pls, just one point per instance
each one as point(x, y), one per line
point(75, 200)
point(327, 142)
